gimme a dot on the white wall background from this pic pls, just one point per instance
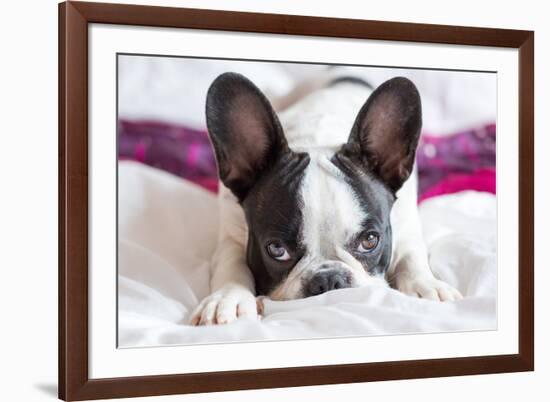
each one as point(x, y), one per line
point(28, 198)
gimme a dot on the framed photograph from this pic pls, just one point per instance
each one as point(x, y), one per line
point(260, 200)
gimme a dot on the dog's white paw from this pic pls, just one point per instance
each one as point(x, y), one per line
point(427, 287)
point(225, 306)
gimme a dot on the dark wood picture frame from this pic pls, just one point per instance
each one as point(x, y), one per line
point(74, 382)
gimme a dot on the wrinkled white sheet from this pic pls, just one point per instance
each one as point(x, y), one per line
point(167, 232)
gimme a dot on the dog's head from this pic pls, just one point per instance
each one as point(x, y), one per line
point(317, 221)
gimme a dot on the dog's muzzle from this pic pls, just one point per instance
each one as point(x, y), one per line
point(328, 276)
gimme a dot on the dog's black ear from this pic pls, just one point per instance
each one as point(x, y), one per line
point(385, 134)
point(244, 130)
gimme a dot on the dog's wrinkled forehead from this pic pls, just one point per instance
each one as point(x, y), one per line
point(333, 211)
point(316, 202)
point(327, 196)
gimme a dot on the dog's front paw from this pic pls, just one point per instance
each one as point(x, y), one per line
point(225, 306)
point(427, 287)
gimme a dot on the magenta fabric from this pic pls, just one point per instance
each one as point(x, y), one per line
point(176, 149)
point(446, 164)
point(480, 180)
point(457, 162)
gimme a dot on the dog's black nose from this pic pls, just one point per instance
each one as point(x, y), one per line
point(327, 280)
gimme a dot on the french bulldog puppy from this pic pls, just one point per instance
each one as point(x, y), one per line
point(320, 196)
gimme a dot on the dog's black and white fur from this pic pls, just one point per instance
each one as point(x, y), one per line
point(317, 197)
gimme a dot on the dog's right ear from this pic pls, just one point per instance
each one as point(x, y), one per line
point(244, 130)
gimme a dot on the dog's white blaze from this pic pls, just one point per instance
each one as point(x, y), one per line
point(331, 213)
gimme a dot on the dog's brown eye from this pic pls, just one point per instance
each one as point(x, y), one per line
point(277, 251)
point(368, 242)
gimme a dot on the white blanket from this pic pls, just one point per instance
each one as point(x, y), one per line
point(167, 232)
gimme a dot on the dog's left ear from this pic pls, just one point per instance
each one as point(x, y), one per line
point(386, 131)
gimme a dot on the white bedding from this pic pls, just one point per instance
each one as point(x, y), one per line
point(167, 232)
